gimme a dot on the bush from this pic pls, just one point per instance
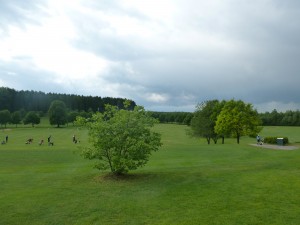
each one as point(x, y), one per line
point(273, 140)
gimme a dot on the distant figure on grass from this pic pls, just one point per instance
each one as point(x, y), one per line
point(49, 141)
point(41, 142)
point(6, 140)
point(29, 141)
point(259, 140)
point(74, 139)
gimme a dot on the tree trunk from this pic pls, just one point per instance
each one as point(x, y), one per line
point(109, 162)
point(208, 139)
point(215, 140)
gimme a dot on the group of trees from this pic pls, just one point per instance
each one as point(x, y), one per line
point(13, 100)
point(17, 117)
point(120, 132)
point(58, 115)
point(122, 139)
point(274, 118)
point(214, 119)
point(28, 106)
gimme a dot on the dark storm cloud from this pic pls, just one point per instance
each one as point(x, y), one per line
point(175, 57)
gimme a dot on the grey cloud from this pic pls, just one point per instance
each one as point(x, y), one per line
point(24, 76)
point(245, 50)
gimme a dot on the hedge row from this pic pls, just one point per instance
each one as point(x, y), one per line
point(273, 140)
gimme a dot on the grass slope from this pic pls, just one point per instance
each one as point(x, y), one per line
point(186, 182)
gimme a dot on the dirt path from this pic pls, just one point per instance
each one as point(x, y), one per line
point(276, 147)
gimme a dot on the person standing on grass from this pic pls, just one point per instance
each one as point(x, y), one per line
point(258, 139)
point(6, 138)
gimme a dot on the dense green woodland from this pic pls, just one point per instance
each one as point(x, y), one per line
point(26, 101)
point(13, 100)
point(274, 118)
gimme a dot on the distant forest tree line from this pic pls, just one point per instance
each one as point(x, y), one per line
point(22, 102)
point(274, 118)
point(173, 117)
point(13, 100)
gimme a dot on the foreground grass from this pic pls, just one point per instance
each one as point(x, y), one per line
point(186, 182)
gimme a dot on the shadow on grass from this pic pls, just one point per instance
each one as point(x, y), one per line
point(129, 177)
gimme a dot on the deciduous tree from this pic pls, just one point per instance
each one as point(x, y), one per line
point(237, 119)
point(122, 140)
point(58, 113)
point(204, 120)
point(4, 117)
point(16, 118)
point(32, 118)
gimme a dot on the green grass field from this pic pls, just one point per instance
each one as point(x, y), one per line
point(186, 182)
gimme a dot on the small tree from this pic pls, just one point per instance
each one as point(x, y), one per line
point(32, 118)
point(237, 119)
point(58, 113)
point(122, 140)
point(4, 117)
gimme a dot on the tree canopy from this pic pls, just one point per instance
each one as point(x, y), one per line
point(32, 118)
point(237, 119)
point(58, 113)
point(204, 120)
point(122, 140)
point(16, 118)
point(5, 117)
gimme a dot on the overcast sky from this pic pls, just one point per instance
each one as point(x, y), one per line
point(167, 55)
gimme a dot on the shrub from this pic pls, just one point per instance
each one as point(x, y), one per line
point(273, 140)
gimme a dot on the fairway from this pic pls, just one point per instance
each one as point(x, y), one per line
point(185, 182)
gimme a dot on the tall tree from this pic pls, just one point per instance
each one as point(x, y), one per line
point(122, 140)
point(32, 118)
point(58, 113)
point(237, 119)
point(204, 120)
point(16, 118)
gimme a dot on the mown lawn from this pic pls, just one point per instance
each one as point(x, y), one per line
point(186, 182)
